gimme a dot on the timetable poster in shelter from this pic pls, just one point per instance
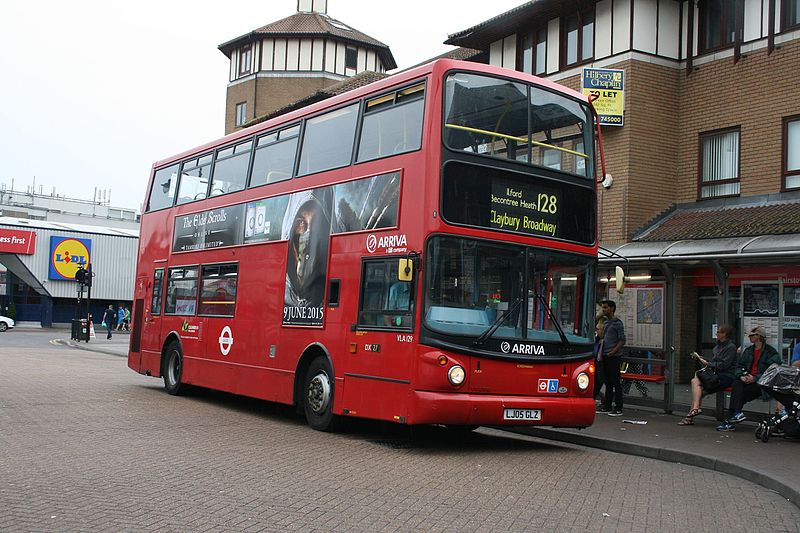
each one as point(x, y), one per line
point(222, 226)
point(607, 87)
point(307, 227)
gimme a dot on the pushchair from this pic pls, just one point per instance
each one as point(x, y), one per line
point(782, 382)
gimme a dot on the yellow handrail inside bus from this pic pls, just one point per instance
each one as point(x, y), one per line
point(514, 138)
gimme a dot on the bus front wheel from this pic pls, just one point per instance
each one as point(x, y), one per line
point(318, 395)
point(173, 369)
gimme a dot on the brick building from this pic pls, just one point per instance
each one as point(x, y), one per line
point(704, 209)
point(288, 60)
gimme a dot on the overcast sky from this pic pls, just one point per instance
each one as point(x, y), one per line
point(93, 92)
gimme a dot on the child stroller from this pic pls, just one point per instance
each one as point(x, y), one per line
point(782, 382)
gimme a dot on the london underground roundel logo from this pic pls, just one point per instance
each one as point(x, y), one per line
point(67, 255)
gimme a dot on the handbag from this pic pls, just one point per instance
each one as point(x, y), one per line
point(708, 378)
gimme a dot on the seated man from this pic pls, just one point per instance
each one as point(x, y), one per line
point(755, 359)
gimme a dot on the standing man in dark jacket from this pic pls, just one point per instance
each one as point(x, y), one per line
point(613, 341)
point(755, 359)
point(110, 319)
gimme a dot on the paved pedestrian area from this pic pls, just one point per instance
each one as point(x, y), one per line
point(88, 444)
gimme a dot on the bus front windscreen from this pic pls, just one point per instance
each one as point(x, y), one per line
point(479, 289)
point(511, 120)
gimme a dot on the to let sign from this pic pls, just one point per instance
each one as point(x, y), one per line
point(17, 242)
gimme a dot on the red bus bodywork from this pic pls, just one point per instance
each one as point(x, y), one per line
point(386, 375)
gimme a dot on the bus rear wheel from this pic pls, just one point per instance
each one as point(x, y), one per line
point(173, 369)
point(318, 395)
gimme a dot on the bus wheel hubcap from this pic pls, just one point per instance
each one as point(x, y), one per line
point(319, 393)
point(174, 368)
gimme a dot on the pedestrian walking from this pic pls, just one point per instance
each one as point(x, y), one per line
point(120, 317)
point(109, 319)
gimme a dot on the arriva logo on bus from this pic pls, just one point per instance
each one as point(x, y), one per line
point(387, 243)
point(67, 255)
point(526, 349)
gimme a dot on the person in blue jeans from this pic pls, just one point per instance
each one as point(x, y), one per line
point(755, 359)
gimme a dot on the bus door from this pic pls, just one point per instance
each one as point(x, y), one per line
point(149, 334)
point(381, 346)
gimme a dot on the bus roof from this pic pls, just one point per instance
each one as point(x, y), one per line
point(438, 66)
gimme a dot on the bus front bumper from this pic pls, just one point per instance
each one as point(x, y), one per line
point(496, 410)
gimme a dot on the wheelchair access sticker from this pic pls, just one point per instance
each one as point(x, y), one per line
point(548, 385)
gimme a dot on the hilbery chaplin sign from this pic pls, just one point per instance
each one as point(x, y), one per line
point(307, 227)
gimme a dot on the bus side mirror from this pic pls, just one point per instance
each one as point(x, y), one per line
point(619, 281)
point(405, 269)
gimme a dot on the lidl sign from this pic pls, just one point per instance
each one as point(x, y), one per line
point(67, 254)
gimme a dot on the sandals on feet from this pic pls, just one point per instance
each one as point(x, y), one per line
point(688, 420)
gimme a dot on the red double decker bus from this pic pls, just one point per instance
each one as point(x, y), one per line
point(420, 250)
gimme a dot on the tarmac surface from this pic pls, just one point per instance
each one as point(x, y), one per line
point(773, 465)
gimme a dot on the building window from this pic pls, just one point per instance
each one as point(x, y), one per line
point(717, 24)
point(791, 152)
point(578, 42)
point(719, 164)
point(533, 53)
point(241, 114)
point(245, 59)
point(350, 58)
point(790, 14)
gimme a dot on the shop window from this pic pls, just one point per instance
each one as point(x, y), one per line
point(181, 291)
point(791, 152)
point(386, 302)
point(533, 52)
point(578, 38)
point(719, 164)
point(717, 24)
point(218, 290)
point(790, 14)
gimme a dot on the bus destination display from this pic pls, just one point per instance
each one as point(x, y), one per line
point(506, 201)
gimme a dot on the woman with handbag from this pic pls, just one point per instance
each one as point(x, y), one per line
point(715, 375)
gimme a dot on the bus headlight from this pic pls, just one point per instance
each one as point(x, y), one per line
point(583, 381)
point(456, 375)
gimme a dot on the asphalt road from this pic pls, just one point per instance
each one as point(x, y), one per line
point(88, 444)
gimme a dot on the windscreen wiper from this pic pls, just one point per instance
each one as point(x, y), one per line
point(553, 319)
point(483, 337)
